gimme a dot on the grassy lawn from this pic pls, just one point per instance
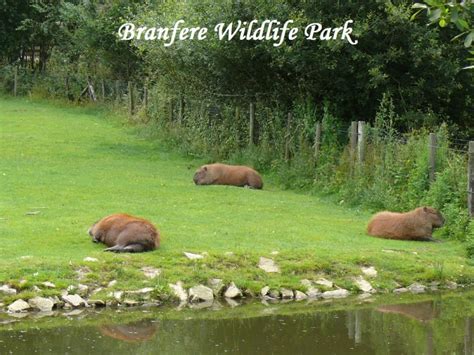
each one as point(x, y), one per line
point(76, 165)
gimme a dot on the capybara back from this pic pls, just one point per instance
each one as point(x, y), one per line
point(223, 174)
point(414, 225)
point(125, 233)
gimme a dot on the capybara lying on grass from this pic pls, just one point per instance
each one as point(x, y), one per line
point(124, 233)
point(222, 174)
point(414, 225)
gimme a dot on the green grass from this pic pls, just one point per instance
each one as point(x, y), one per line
point(75, 165)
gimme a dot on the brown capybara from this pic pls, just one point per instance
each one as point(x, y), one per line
point(414, 225)
point(222, 174)
point(124, 233)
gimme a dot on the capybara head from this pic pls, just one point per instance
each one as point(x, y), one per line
point(434, 216)
point(201, 177)
point(91, 233)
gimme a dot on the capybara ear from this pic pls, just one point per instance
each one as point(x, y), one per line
point(425, 209)
point(205, 168)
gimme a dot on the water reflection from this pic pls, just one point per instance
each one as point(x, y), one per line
point(132, 332)
point(435, 326)
point(421, 311)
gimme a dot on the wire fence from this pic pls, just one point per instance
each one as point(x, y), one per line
point(248, 126)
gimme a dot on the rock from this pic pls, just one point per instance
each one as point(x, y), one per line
point(83, 289)
point(451, 285)
point(200, 293)
point(400, 290)
point(275, 252)
point(179, 291)
point(67, 306)
point(325, 283)
point(268, 265)
point(264, 291)
point(150, 272)
point(18, 306)
point(364, 296)
point(82, 272)
point(142, 291)
point(363, 284)
point(70, 288)
point(300, 295)
point(64, 293)
point(313, 292)
point(74, 300)
point(201, 305)
point(48, 284)
point(286, 294)
point(41, 303)
point(275, 294)
point(36, 288)
point(369, 271)
point(217, 286)
point(97, 290)
point(306, 283)
point(232, 291)
point(192, 256)
point(89, 259)
point(112, 283)
point(339, 293)
point(130, 303)
point(117, 295)
point(96, 303)
point(7, 290)
point(416, 288)
point(232, 303)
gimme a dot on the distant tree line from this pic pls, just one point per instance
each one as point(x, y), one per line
point(418, 66)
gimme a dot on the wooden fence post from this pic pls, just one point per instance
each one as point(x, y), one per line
point(117, 90)
point(171, 109)
point(470, 180)
point(361, 140)
point(66, 86)
point(251, 123)
point(432, 145)
point(181, 109)
point(288, 137)
point(317, 141)
point(237, 120)
point(131, 102)
point(145, 98)
point(15, 80)
point(102, 85)
point(353, 140)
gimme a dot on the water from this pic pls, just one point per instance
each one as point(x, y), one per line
point(421, 325)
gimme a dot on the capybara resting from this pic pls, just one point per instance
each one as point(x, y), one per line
point(124, 233)
point(414, 225)
point(222, 174)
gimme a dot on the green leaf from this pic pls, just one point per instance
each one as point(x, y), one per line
point(412, 17)
point(454, 15)
point(419, 6)
point(468, 40)
point(462, 24)
point(435, 15)
point(443, 22)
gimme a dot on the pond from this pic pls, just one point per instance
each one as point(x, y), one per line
point(422, 324)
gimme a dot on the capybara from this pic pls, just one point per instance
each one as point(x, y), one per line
point(414, 225)
point(222, 174)
point(124, 233)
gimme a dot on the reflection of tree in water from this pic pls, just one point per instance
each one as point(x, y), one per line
point(132, 332)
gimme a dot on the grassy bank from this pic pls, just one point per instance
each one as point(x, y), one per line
point(62, 168)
